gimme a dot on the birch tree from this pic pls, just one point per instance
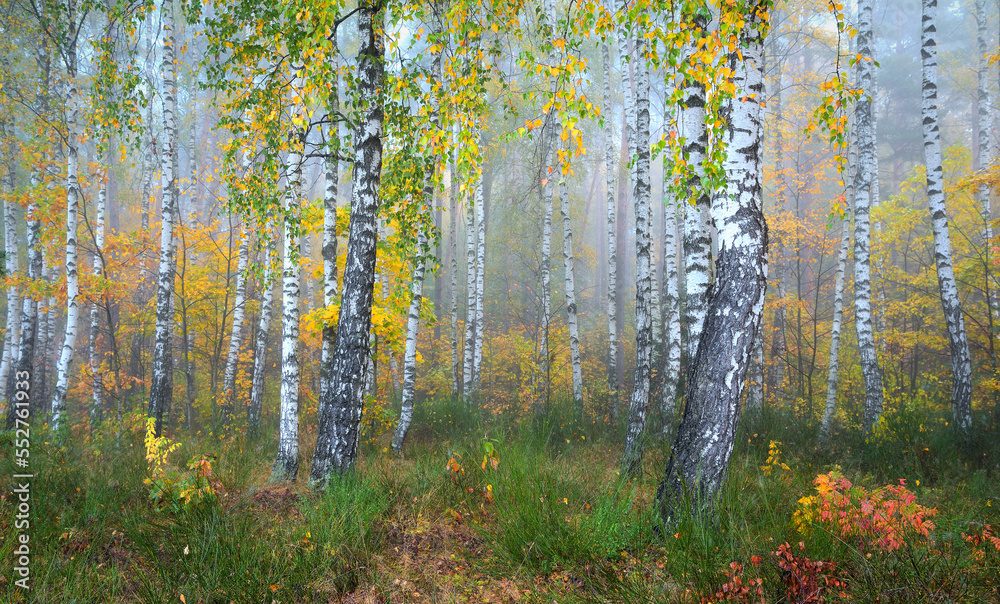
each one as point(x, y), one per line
point(700, 454)
point(574, 330)
point(23, 364)
point(162, 388)
point(331, 175)
point(864, 177)
point(96, 376)
point(984, 158)
point(339, 426)
point(639, 405)
point(480, 330)
point(612, 229)
point(236, 335)
point(286, 465)
point(260, 346)
point(951, 304)
point(697, 212)
point(469, 348)
point(69, 52)
point(835, 329)
point(10, 338)
point(671, 358)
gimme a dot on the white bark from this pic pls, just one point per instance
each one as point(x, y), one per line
point(697, 206)
point(671, 316)
point(10, 338)
point(286, 465)
point(263, 332)
point(570, 284)
point(470, 298)
point(236, 335)
point(610, 166)
point(97, 383)
point(340, 425)
point(863, 179)
point(330, 286)
point(985, 156)
point(961, 363)
point(835, 329)
point(477, 353)
point(639, 406)
point(453, 210)
point(705, 439)
point(72, 223)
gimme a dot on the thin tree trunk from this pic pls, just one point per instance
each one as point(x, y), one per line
point(72, 223)
point(23, 368)
point(610, 165)
point(162, 390)
point(332, 180)
point(470, 298)
point(10, 339)
point(477, 353)
point(236, 336)
point(838, 316)
point(339, 427)
point(961, 363)
point(42, 337)
point(985, 156)
point(453, 211)
point(260, 348)
point(671, 359)
point(639, 406)
point(863, 178)
point(701, 452)
point(574, 330)
point(286, 464)
point(96, 375)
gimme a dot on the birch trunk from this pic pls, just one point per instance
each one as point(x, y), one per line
point(610, 165)
point(23, 366)
point(453, 210)
point(701, 452)
point(413, 318)
point(42, 340)
point(863, 179)
point(10, 338)
point(330, 286)
point(72, 223)
point(574, 330)
point(96, 381)
point(985, 156)
point(260, 347)
point(671, 315)
point(236, 336)
point(697, 208)
point(339, 427)
point(286, 465)
point(838, 317)
point(470, 298)
point(961, 363)
point(477, 353)
point(639, 406)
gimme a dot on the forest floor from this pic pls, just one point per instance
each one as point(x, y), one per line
point(485, 509)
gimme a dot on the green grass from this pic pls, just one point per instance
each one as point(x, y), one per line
point(552, 521)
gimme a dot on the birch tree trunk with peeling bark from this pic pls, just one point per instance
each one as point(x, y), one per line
point(951, 303)
point(701, 451)
point(570, 284)
point(286, 464)
point(337, 437)
point(477, 349)
point(23, 366)
point(72, 223)
point(697, 215)
point(610, 165)
point(260, 347)
point(864, 176)
point(96, 377)
point(671, 360)
point(639, 406)
point(236, 335)
point(10, 338)
point(331, 175)
point(470, 297)
point(835, 329)
point(985, 156)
